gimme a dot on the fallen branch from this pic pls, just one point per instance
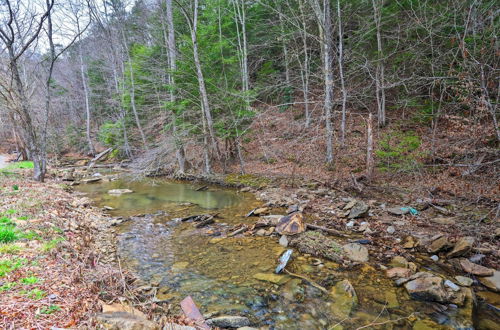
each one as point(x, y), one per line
point(328, 230)
point(314, 284)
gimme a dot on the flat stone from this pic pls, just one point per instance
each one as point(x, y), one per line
point(283, 241)
point(273, 278)
point(344, 299)
point(124, 321)
point(398, 210)
point(229, 321)
point(443, 221)
point(475, 269)
point(398, 272)
point(462, 246)
point(492, 282)
point(261, 211)
point(173, 326)
point(442, 243)
point(399, 261)
point(91, 180)
point(464, 281)
point(356, 252)
point(391, 230)
point(410, 242)
point(119, 191)
point(427, 289)
point(451, 285)
point(360, 209)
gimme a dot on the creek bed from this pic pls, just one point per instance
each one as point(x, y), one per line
point(235, 275)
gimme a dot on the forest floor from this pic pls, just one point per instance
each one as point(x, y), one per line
point(53, 270)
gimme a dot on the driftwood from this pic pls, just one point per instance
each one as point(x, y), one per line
point(99, 156)
point(205, 222)
point(243, 229)
point(328, 230)
point(314, 284)
point(202, 188)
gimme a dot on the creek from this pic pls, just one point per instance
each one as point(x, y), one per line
point(234, 276)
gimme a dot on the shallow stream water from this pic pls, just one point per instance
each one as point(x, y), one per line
point(224, 275)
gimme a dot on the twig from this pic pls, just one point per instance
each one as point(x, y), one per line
point(328, 230)
point(314, 284)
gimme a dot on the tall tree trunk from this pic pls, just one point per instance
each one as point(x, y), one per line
point(305, 69)
point(341, 73)
point(205, 106)
point(326, 33)
point(172, 59)
point(379, 74)
point(369, 148)
point(87, 103)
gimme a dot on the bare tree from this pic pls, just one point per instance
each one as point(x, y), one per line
point(19, 32)
point(380, 70)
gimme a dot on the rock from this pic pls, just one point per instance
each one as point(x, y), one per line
point(398, 272)
point(451, 285)
point(391, 299)
point(492, 282)
point(349, 205)
point(475, 269)
point(427, 289)
point(293, 291)
point(428, 325)
point(261, 232)
point(443, 221)
point(270, 277)
point(391, 230)
point(364, 226)
point(317, 244)
point(477, 258)
point(434, 258)
point(293, 209)
point(462, 246)
point(410, 242)
point(360, 209)
point(91, 180)
point(442, 243)
point(229, 321)
point(119, 191)
point(350, 224)
point(108, 208)
point(399, 261)
point(261, 211)
point(283, 241)
point(124, 321)
point(356, 252)
point(344, 299)
point(464, 281)
point(398, 210)
point(291, 224)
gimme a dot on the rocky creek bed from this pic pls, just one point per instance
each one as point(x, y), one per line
point(378, 270)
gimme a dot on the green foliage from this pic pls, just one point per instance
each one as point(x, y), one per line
point(10, 248)
point(35, 294)
point(15, 187)
point(7, 286)
point(9, 265)
point(398, 152)
point(52, 244)
point(8, 234)
point(18, 165)
point(50, 310)
point(246, 180)
point(111, 135)
point(30, 280)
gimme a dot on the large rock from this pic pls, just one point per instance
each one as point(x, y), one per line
point(398, 272)
point(124, 321)
point(344, 299)
point(475, 269)
point(428, 288)
point(356, 252)
point(229, 321)
point(291, 224)
point(462, 246)
point(492, 282)
point(464, 281)
point(119, 191)
point(317, 244)
point(360, 209)
point(399, 262)
point(442, 243)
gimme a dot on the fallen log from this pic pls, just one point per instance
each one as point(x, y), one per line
point(99, 156)
point(327, 230)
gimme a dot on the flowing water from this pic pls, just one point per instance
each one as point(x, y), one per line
point(235, 275)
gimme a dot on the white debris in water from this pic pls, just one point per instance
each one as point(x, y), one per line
point(435, 257)
point(452, 285)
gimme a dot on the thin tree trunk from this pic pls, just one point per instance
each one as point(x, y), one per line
point(341, 73)
point(379, 75)
point(305, 66)
point(87, 104)
point(369, 148)
point(172, 57)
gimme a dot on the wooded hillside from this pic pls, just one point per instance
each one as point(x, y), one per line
point(234, 85)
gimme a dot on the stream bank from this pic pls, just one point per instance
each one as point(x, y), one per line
point(385, 246)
